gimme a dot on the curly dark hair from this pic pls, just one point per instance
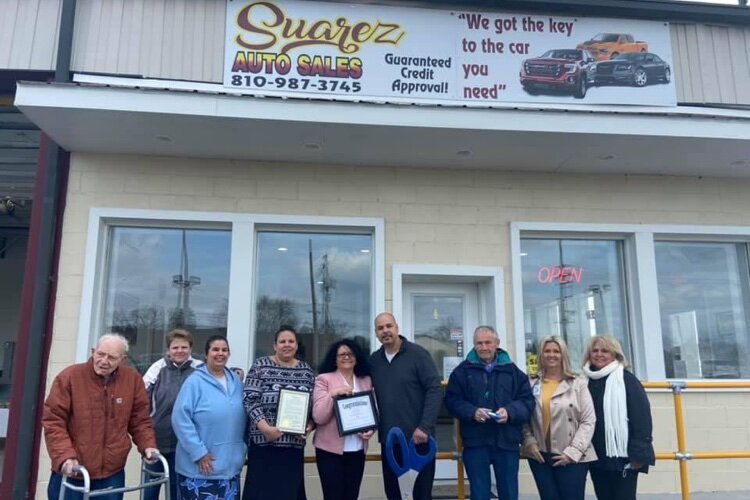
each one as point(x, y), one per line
point(362, 365)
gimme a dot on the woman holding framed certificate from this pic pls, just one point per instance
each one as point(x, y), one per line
point(277, 401)
point(345, 414)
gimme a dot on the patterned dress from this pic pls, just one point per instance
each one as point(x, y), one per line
point(205, 489)
point(264, 381)
point(275, 470)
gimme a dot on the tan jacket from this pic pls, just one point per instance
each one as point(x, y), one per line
point(573, 421)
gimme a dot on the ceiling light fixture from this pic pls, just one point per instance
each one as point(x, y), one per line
point(282, 249)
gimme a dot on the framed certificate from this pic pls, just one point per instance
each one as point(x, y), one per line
point(356, 413)
point(293, 410)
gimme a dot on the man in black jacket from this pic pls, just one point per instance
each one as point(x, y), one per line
point(492, 398)
point(407, 388)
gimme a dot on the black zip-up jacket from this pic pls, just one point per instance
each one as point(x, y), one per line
point(407, 390)
point(640, 426)
point(162, 395)
point(471, 386)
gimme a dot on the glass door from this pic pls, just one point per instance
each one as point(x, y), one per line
point(441, 318)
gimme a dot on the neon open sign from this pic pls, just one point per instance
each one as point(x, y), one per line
point(559, 274)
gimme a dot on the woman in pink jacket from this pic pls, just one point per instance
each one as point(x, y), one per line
point(341, 460)
point(557, 441)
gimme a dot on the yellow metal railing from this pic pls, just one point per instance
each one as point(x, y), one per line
point(682, 454)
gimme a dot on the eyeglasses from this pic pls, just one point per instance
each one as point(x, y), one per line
point(343, 355)
point(109, 357)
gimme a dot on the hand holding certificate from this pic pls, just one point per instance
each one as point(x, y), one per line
point(294, 408)
point(355, 413)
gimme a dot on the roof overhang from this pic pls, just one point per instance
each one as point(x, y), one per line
point(592, 139)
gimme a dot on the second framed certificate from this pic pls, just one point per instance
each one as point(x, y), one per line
point(356, 413)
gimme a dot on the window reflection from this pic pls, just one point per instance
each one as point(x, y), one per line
point(574, 289)
point(321, 284)
point(13, 245)
point(158, 279)
point(438, 319)
point(703, 298)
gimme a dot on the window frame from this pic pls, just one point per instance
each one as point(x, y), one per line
point(243, 228)
point(639, 257)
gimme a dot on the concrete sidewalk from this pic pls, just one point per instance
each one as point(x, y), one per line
point(721, 495)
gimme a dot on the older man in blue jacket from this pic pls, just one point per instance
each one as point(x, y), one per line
point(492, 399)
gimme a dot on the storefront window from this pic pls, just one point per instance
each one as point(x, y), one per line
point(13, 244)
point(575, 289)
point(158, 279)
point(318, 283)
point(704, 293)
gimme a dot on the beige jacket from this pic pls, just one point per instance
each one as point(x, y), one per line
point(573, 421)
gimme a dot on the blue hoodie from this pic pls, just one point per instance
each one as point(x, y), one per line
point(206, 419)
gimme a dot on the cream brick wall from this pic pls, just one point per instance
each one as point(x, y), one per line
point(431, 216)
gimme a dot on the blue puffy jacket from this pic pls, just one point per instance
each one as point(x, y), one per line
point(471, 386)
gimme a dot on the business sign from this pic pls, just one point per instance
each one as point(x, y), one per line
point(559, 275)
point(376, 53)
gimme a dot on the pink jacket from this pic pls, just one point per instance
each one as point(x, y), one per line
point(327, 432)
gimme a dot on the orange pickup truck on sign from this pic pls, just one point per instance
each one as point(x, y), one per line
point(609, 45)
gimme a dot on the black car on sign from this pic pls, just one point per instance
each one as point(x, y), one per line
point(636, 68)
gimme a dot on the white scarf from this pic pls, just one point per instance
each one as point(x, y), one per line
point(615, 407)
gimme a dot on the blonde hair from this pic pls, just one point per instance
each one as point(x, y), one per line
point(611, 344)
point(565, 361)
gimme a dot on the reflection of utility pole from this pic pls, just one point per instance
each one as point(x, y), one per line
point(600, 312)
point(314, 304)
point(564, 296)
point(184, 282)
point(328, 286)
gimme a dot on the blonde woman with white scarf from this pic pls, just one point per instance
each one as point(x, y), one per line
point(622, 438)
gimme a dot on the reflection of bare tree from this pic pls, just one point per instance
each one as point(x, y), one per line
point(146, 322)
point(181, 318)
point(441, 331)
point(270, 313)
point(221, 313)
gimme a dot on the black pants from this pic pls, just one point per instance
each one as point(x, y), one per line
point(340, 475)
point(274, 473)
point(423, 484)
point(566, 482)
point(610, 485)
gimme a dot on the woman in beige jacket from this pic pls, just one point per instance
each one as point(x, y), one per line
point(557, 441)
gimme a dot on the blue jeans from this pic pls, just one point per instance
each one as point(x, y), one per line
point(559, 483)
point(478, 459)
point(55, 483)
point(152, 493)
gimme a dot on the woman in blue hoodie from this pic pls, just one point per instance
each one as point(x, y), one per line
point(209, 421)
